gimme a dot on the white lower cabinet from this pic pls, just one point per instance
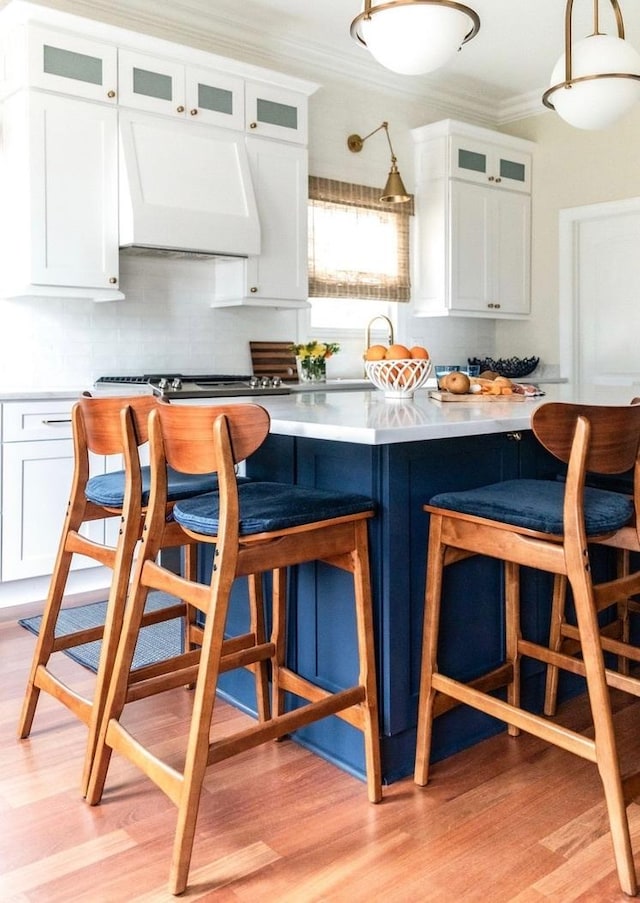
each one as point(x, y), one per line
point(37, 466)
point(278, 276)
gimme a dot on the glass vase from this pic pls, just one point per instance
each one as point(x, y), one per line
point(312, 369)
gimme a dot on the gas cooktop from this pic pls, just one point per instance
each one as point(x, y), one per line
point(208, 385)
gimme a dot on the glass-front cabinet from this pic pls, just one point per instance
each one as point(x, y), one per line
point(161, 85)
point(73, 65)
point(275, 113)
point(475, 161)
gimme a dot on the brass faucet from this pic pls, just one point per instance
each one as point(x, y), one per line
point(367, 335)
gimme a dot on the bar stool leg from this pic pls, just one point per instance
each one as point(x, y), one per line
point(605, 743)
point(433, 593)
point(512, 634)
point(258, 629)
point(366, 657)
point(46, 635)
point(558, 607)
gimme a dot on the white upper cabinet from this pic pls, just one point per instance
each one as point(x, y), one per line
point(472, 236)
point(57, 61)
point(60, 183)
point(277, 277)
point(112, 139)
point(164, 86)
point(276, 113)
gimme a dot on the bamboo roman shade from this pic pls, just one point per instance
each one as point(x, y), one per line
point(358, 246)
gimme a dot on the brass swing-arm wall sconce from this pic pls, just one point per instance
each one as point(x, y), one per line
point(394, 191)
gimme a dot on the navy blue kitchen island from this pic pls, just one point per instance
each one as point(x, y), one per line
point(402, 454)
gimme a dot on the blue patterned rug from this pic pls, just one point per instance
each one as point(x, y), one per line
point(155, 643)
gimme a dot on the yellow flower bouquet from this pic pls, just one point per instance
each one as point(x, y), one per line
point(311, 360)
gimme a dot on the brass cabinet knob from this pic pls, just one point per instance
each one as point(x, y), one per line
point(253, 289)
point(111, 93)
point(498, 179)
point(180, 109)
point(193, 112)
point(492, 178)
point(493, 306)
point(253, 125)
point(113, 280)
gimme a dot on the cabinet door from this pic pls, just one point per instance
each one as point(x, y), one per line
point(279, 173)
point(490, 250)
point(490, 164)
point(36, 478)
point(470, 247)
point(151, 83)
point(74, 192)
point(72, 65)
point(511, 249)
point(215, 98)
point(276, 113)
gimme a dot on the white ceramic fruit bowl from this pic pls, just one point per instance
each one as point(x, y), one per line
point(399, 378)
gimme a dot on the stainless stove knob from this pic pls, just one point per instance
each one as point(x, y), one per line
point(176, 383)
point(276, 382)
point(265, 382)
point(254, 382)
point(163, 383)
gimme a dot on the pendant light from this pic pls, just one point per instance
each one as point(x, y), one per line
point(413, 37)
point(394, 191)
point(601, 75)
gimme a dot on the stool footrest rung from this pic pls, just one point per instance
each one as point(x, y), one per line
point(527, 721)
point(79, 705)
point(492, 680)
point(284, 724)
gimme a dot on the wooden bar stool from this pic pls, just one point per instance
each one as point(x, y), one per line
point(546, 525)
point(616, 633)
point(255, 528)
point(109, 426)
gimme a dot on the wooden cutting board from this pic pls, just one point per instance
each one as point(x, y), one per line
point(273, 359)
point(438, 395)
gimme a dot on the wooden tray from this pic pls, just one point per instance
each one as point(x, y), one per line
point(472, 397)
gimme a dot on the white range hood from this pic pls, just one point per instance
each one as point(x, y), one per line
point(185, 188)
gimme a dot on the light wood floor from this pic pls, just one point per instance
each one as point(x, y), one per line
point(510, 820)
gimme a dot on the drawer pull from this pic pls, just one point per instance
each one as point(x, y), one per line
point(56, 422)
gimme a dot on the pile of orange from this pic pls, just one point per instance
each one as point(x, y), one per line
point(395, 353)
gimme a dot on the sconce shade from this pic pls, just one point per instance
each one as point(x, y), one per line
point(601, 82)
point(413, 37)
point(394, 191)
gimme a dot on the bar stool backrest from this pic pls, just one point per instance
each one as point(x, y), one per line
point(614, 439)
point(187, 434)
point(103, 421)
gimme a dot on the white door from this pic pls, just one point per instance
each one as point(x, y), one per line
point(600, 293)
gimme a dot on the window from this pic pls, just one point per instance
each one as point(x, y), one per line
point(358, 246)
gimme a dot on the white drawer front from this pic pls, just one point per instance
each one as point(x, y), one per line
point(26, 420)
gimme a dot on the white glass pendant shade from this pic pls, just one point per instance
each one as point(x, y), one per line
point(413, 40)
point(600, 102)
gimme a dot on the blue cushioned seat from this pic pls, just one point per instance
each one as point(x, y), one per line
point(265, 507)
point(108, 489)
point(537, 505)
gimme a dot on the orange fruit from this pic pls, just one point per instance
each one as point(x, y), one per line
point(375, 353)
point(395, 352)
point(419, 353)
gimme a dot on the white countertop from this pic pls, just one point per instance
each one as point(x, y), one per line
point(368, 418)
